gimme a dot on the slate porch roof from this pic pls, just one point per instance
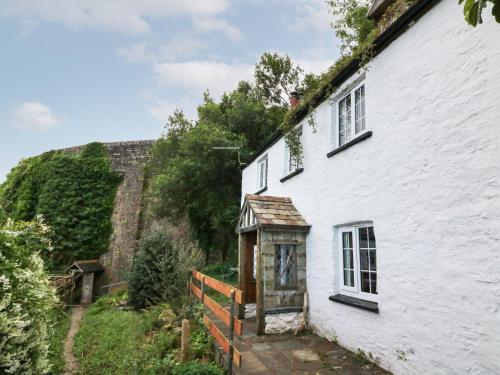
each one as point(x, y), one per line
point(86, 266)
point(269, 211)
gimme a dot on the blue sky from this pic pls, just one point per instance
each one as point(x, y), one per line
point(78, 71)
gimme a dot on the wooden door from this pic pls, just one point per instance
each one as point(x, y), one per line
point(250, 256)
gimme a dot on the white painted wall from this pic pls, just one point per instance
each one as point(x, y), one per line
point(429, 179)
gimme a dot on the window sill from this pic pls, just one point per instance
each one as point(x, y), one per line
point(261, 190)
point(292, 174)
point(352, 142)
point(355, 302)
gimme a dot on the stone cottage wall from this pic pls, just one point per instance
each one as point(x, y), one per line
point(429, 180)
point(128, 159)
point(273, 297)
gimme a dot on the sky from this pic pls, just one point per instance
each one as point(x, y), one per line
point(78, 71)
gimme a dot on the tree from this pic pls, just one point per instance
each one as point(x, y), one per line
point(190, 179)
point(276, 77)
point(352, 26)
point(473, 10)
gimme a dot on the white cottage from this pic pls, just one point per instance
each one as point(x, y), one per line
point(397, 203)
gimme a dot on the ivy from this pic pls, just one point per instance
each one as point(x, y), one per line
point(473, 10)
point(73, 192)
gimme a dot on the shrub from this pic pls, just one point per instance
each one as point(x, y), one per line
point(196, 368)
point(27, 299)
point(161, 266)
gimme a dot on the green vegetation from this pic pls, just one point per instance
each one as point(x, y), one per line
point(60, 327)
point(114, 340)
point(73, 192)
point(189, 179)
point(27, 299)
point(161, 267)
point(473, 10)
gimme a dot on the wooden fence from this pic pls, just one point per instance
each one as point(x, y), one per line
point(227, 317)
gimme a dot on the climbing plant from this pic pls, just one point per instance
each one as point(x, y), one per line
point(73, 192)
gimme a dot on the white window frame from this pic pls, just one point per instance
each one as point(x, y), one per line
point(352, 121)
point(354, 291)
point(291, 165)
point(262, 182)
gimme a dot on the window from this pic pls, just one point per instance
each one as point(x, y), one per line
point(349, 124)
point(292, 164)
point(358, 260)
point(285, 270)
point(263, 166)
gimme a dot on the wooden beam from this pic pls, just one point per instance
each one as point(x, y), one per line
point(219, 286)
point(218, 310)
point(260, 315)
point(222, 340)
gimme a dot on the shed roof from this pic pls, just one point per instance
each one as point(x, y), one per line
point(86, 266)
point(268, 211)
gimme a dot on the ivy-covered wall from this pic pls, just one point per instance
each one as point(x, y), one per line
point(74, 195)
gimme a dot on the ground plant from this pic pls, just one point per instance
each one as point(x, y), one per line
point(116, 340)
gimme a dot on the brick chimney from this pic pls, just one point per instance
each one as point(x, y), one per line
point(294, 99)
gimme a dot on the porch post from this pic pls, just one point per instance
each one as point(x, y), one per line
point(261, 319)
point(241, 273)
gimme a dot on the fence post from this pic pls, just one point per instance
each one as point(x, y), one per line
point(203, 292)
point(185, 340)
point(231, 334)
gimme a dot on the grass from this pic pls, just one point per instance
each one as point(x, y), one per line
point(113, 340)
point(222, 272)
point(57, 339)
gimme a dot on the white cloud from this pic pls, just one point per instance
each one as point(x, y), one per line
point(161, 109)
point(180, 47)
point(312, 14)
point(198, 76)
point(34, 116)
point(125, 16)
point(206, 24)
point(138, 53)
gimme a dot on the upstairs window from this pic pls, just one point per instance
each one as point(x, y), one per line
point(351, 123)
point(358, 260)
point(262, 171)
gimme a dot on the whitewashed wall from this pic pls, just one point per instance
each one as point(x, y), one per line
point(429, 179)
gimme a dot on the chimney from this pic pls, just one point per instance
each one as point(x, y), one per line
point(294, 99)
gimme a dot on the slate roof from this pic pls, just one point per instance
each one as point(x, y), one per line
point(86, 266)
point(274, 211)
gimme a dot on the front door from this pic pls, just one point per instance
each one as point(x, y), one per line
point(250, 266)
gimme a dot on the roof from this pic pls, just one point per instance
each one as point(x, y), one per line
point(418, 9)
point(264, 211)
point(86, 266)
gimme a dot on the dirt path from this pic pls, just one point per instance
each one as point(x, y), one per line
point(69, 358)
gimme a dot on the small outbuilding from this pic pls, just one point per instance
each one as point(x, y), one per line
point(272, 259)
point(88, 269)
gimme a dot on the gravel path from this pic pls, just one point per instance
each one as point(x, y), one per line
point(69, 358)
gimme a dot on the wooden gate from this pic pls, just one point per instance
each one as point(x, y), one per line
point(227, 317)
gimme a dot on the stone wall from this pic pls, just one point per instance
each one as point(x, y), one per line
point(274, 297)
point(128, 159)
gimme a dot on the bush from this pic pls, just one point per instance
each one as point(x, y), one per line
point(27, 299)
point(161, 267)
point(196, 368)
